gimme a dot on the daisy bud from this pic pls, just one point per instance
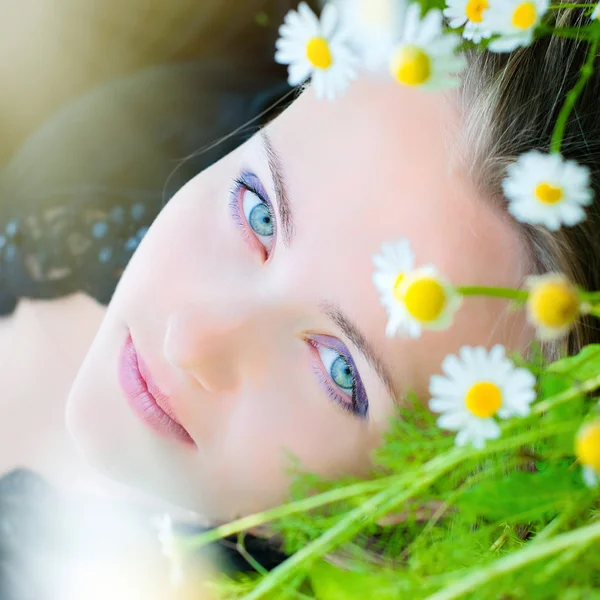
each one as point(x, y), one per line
point(587, 450)
point(553, 305)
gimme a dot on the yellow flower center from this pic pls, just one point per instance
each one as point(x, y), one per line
point(475, 10)
point(547, 193)
point(425, 299)
point(411, 65)
point(484, 399)
point(525, 15)
point(554, 304)
point(587, 446)
point(318, 53)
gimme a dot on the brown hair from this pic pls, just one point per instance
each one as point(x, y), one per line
point(509, 104)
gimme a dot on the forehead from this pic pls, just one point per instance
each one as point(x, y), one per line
point(377, 165)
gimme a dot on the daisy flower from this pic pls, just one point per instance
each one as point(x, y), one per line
point(596, 13)
point(553, 305)
point(415, 299)
point(587, 449)
point(375, 25)
point(318, 49)
point(515, 21)
point(469, 13)
point(425, 56)
point(545, 189)
point(479, 385)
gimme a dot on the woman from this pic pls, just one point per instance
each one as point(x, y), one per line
point(259, 336)
point(79, 191)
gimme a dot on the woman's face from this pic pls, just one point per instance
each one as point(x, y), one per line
point(250, 304)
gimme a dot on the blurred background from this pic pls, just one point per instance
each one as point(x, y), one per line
point(101, 102)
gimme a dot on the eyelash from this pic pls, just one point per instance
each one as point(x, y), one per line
point(241, 184)
point(331, 388)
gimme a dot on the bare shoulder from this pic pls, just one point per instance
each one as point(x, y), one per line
point(42, 345)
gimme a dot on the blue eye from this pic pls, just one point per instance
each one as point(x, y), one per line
point(258, 215)
point(253, 212)
point(337, 368)
point(347, 389)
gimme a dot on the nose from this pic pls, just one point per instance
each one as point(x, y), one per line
point(217, 344)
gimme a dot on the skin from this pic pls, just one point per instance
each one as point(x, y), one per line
point(223, 327)
point(49, 340)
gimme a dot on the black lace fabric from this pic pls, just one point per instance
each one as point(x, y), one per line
point(81, 193)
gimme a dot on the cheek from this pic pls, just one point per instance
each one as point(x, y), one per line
point(192, 241)
point(267, 434)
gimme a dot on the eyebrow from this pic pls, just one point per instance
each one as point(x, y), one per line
point(283, 204)
point(353, 333)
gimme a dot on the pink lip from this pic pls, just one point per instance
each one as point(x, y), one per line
point(145, 398)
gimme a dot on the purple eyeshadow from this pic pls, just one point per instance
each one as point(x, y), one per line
point(360, 400)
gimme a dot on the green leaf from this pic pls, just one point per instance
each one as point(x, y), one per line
point(519, 493)
point(580, 367)
point(331, 583)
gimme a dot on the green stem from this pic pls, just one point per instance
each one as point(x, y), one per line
point(591, 297)
point(554, 525)
point(495, 292)
point(517, 560)
point(589, 385)
point(381, 504)
point(585, 34)
point(561, 123)
point(561, 6)
point(595, 311)
point(354, 521)
point(304, 505)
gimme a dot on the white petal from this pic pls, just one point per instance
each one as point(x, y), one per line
point(431, 26)
point(383, 281)
point(309, 17)
point(462, 437)
point(571, 214)
point(490, 429)
point(287, 56)
point(443, 404)
point(452, 421)
point(412, 22)
point(318, 83)
point(441, 386)
point(456, 22)
point(497, 353)
point(590, 477)
point(329, 20)
point(414, 330)
point(453, 367)
point(505, 44)
point(299, 72)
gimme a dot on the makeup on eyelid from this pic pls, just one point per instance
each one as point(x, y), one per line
point(358, 402)
point(248, 183)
